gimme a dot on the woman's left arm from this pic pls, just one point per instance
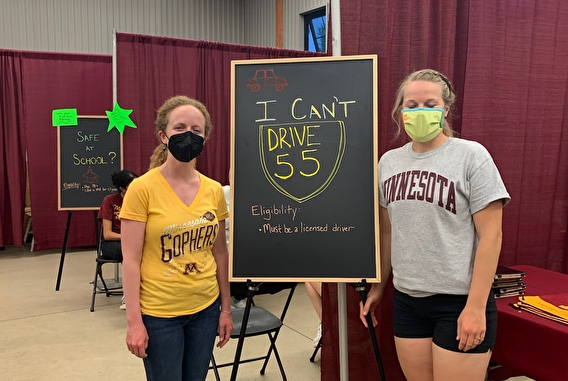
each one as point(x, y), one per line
point(221, 254)
point(471, 323)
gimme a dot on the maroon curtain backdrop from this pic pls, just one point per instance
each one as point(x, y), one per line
point(12, 150)
point(515, 104)
point(508, 64)
point(33, 84)
point(151, 69)
point(52, 81)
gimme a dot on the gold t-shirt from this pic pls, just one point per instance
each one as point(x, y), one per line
point(178, 270)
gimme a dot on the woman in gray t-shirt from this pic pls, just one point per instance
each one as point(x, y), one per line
point(441, 201)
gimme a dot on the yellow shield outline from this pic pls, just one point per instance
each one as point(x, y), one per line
point(338, 159)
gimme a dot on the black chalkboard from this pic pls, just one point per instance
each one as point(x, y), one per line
point(87, 157)
point(304, 196)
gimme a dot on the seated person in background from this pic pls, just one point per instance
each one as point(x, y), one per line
point(108, 214)
point(314, 292)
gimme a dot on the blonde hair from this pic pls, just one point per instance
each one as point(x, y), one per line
point(448, 96)
point(161, 151)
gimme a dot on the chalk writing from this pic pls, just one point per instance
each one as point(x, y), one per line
point(268, 212)
point(325, 112)
point(302, 227)
point(73, 185)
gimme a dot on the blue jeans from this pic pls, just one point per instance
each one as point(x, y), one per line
point(180, 348)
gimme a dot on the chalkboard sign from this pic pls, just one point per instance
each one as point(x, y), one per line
point(87, 157)
point(304, 193)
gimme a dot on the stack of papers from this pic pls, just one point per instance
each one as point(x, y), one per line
point(551, 309)
point(508, 282)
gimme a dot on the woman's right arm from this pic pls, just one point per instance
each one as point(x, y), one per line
point(376, 292)
point(132, 242)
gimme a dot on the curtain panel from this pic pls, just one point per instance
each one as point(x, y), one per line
point(511, 97)
point(53, 81)
point(12, 150)
point(514, 103)
point(33, 84)
point(507, 62)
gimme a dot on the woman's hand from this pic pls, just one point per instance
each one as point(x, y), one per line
point(225, 328)
point(373, 298)
point(471, 328)
point(137, 339)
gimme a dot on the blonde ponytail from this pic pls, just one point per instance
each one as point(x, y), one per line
point(159, 156)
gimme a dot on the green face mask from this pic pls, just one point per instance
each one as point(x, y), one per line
point(423, 124)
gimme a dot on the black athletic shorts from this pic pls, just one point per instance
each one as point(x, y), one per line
point(436, 316)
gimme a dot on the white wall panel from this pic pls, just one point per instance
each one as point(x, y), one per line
point(260, 22)
point(294, 22)
point(85, 26)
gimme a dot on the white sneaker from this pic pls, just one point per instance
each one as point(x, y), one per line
point(122, 304)
point(318, 337)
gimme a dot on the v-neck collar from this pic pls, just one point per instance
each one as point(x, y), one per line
point(170, 192)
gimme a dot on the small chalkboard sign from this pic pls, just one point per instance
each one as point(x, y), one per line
point(304, 193)
point(87, 157)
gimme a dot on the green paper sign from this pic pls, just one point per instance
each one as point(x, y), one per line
point(119, 118)
point(64, 117)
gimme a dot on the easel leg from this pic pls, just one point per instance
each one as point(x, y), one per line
point(363, 293)
point(62, 259)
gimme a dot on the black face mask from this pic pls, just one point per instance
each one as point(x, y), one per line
point(185, 146)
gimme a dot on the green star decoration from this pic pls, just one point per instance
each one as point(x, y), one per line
point(119, 118)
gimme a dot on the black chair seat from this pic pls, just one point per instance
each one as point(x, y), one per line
point(105, 260)
point(260, 322)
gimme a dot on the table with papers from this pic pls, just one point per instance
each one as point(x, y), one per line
point(528, 344)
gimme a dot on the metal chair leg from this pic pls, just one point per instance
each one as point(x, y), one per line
point(215, 370)
point(97, 269)
point(316, 351)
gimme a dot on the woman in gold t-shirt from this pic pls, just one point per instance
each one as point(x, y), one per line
point(175, 268)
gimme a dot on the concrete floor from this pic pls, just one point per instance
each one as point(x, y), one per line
point(52, 335)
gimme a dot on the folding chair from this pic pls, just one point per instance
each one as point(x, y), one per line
point(100, 285)
point(254, 321)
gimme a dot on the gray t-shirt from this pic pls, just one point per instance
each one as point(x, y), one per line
point(431, 198)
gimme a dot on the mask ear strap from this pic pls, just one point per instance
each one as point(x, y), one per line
point(443, 117)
